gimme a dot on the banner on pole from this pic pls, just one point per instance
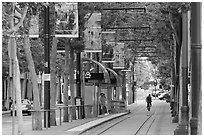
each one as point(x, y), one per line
point(108, 43)
point(34, 26)
point(92, 34)
point(119, 59)
point(66, 19)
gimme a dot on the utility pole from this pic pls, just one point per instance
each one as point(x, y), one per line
point(196, 47)
point(47, 66)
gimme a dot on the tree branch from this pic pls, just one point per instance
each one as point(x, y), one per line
point(19, 10)
point(174, 30)
point(16, 27)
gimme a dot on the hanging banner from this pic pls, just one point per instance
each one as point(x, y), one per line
point(66, 20)
point(119, 59)
point(34, 26)
point(92, 34)
point(107, 52)
point(108, 43)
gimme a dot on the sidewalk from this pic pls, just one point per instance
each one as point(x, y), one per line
point(76, 127)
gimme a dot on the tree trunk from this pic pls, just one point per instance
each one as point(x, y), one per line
point(66, 73)
point(18, 98)
point(24, 85)
point(36, 100)
point(16, 83)
point(53, 92)
point(14, 68)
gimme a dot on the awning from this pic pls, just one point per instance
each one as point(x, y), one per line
point(103, 68)
point(118, 82)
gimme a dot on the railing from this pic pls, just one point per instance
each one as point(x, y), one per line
point(88, 112)
point(118, 106)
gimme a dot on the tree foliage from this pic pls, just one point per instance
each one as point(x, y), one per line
point(163, 19)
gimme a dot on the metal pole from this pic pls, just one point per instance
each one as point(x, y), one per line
point(78, 74)
point(155, 90)
point(71, 80)
point(124, 85)
point(196, 64)
point(182, 129)
point(133, 80)
point(78, 80)
point(47, 65)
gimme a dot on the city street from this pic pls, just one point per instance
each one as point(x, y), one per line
point(139, 121)
point(101, 68)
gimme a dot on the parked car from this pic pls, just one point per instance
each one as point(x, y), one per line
point(26, 106)
point(157, 93)
point(165, 95)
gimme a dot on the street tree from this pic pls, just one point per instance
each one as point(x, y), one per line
point(24, 47)
point(14, 65)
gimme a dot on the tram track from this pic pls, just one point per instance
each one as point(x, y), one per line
point(144, 125)
point(147, 124)
point(107, 126)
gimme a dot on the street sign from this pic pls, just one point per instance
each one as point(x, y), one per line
point(46, 77)
point(87, 75)
point(94, 77)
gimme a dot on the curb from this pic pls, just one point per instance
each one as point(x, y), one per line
point(5, 112)
point(81, 132)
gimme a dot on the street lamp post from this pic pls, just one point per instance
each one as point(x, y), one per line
point(78, 82)
point(47, 66)
point(196, 46)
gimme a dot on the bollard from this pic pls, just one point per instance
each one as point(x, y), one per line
point(70, 114)
point(60, 117)
point(46, 119)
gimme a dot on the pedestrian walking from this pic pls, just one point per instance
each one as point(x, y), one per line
point(149, 102)
point(102, 104)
